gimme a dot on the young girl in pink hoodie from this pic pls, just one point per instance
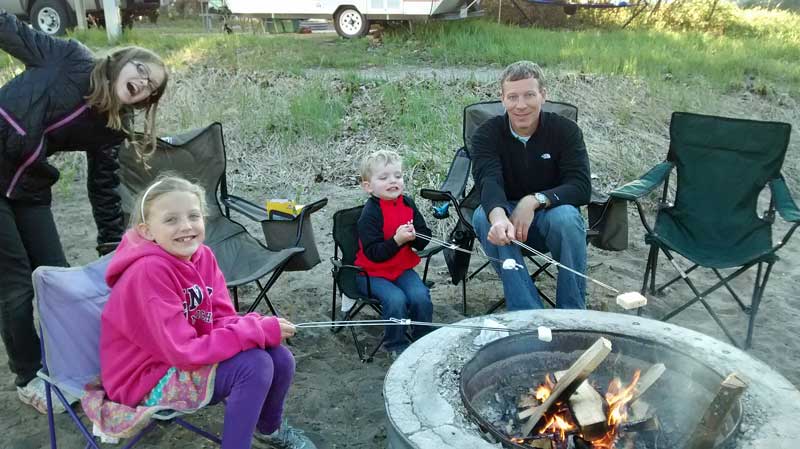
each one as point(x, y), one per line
point(170, 338)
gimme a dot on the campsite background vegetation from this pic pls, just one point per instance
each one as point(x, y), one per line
point(289, 95)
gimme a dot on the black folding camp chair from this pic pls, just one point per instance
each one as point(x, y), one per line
point(345, 238)
point(199, 156)
point(722, 165)
point(450, 196)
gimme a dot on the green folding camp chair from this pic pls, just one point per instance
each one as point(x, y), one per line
point(199, 156)
point(722, 164)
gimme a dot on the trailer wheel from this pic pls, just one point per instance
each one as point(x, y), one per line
point(350, 23)
point(51, 17)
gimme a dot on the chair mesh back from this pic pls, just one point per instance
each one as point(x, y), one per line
point(69, 302)
point(722, 165)
point(345, 236)
point(198, 156)
point(476, 114)
point(457, 176)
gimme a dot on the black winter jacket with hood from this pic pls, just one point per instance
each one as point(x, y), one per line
point(43, 110)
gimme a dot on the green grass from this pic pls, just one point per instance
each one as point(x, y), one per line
point(755, 45)
point(720, 60)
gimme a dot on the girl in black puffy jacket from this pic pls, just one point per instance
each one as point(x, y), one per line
point(66, 99)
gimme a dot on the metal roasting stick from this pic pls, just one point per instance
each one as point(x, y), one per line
point(552, 261)
point(403, 322)
point(458, 248)
point(524, 246)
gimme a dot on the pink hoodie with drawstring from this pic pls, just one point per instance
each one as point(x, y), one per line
point(165, 312)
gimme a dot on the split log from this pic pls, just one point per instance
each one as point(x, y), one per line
point(711, 425)
point(575, 375)
point(586, 406)
point(647, 380)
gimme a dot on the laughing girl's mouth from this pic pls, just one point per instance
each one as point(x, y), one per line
point(132, 89)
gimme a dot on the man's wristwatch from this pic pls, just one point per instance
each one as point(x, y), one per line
point(542, 199)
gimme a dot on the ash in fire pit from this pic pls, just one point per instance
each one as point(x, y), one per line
point(423, 388)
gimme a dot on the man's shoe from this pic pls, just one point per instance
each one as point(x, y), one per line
point(287, 437)
point(34, 395)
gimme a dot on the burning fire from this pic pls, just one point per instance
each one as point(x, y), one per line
point(617, 399)
point(559, 422)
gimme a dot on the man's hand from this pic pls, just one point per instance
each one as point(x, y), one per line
point(287, 328)
point(404, 234)
point(522, 217)
point(502, 230)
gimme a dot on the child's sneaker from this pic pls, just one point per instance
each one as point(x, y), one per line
point(34, 395)
point(287, 437)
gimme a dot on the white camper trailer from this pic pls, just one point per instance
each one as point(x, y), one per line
point(352, 18)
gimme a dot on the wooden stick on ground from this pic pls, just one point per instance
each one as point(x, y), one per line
point(710, 426)
point(577, 373)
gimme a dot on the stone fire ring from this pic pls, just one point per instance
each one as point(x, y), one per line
point(424, 409)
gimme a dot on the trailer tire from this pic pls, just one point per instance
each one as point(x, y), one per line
point(51, 17)
point(350, 23)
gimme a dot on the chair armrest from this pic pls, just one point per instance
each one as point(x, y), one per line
point(437, 195)
point(246, 208)
point(784, 203)
point(645, 184)
point(338, 266)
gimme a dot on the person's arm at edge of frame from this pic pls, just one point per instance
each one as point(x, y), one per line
point(31, 47)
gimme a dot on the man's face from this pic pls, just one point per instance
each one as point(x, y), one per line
point(523, 99)
point(386, 182)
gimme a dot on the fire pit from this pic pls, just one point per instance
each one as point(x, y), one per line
point(500, 372)
point(444, 391)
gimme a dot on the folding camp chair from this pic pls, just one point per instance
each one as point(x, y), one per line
point(69, 302)
point(722, 165)
point(345, 238)
point(199, 156)
point(450, 196)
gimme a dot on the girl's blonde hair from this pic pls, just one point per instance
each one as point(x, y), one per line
point(166, 182)
point(103, 97)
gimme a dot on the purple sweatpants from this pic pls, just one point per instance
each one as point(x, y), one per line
point(254, 384)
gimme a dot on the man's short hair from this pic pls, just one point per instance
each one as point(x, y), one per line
point(375, 159)
point(521, 70)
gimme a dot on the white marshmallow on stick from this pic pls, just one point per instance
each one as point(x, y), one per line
point(509, 264)
point(631, 300)
point(545, 334)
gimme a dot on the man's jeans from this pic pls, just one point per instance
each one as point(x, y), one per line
point(560, 231)
point(406, 297)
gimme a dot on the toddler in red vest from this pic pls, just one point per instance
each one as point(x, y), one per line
point(386, 235)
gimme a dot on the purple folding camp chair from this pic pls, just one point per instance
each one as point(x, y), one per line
point(69, 302)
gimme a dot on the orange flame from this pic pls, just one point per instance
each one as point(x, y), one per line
point(617, 399)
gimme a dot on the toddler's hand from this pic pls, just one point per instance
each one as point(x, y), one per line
point(287, 328)
point(404, 234)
